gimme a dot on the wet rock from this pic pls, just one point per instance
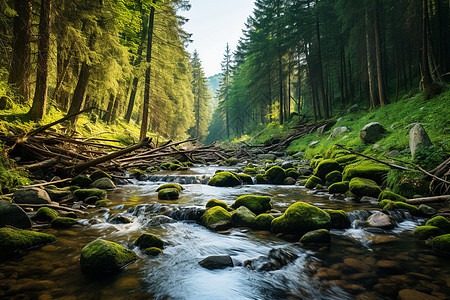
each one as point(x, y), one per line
point(275, 175)
point(380, 220)
point(170, 186)
point(339, 187)
point(104, 183)
point(153, 251)
point(426, 232)
point(168, 194)
point(83, 194)
point(339, 219)
point(58, 195)
point(371, 132)
point(389, 266)
point(216, 218)
point(12, 240)
point(276, 259)
point(386, 289)
point(266, 157)
point(263, 222)
point(408, 294)
point(287, 165)
point(245, 179)
point(31, 196)
point(325, 167)
point(367, 199)
point(320, 236)
point(148, 240)
point(418, 139)
point(243, 217)
point(391, 196)
point(440, 222)
point(333, 177)
point(327, 274)
point(186, 213)
point(441, 243)
point(120, 219)
point(216, 262)
point(224, 179)
point(45, 214)
point(364, 187)
point(375, 230)
point(62, 222)
point(81, 181)
point(257, 204)
point(426, 210)
point(338, 131)
point(159, 220)
point(355, 264)
point(102, 256)
point(289, 181)
point(313, 182)
point(305, 171)
point(99, 174)
point(12, 215)
point(324, 128)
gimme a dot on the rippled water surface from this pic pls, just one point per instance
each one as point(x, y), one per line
point(349, 268)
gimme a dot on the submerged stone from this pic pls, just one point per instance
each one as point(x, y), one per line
point(216, 262)
point(168, 194)
point(319, 236)
point(339, 219)
point(216, 218)
point(12, 240)
point(63, 222)
point(426, 232)
point(170, 186)
point(149, 240)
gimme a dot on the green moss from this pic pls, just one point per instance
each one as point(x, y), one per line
point(168, 194)
point(170, 186)
point(45, 214)
point(263, 221)
point(346, 159)
point(243, 217)
point(315, 162)
point(365, 169)
point(165, 166)
point(188, 164)
point(326, 166)
point(248, 170)
point(319, 236)
point(391, 196)
point(300, 218)
point(257, 204)
point(312, 182)
point(231, 161)
point(441, 243)
point(339, 187)
point(99, 174)
point(427, 232)
point(214, 202)
point(364, 187)
point(82, 181)
point(339, 219)
point(102, 203)
point(63, 222)
point(12, 240)
point(261, 179)
point(302, 182)
point(276, 175)
point(148, 240)
point(137, 172)
point(216, 218)
point(174, 167)
point(247, 179)
point(153, 251)
point(385, 202)
point(51, 187)
point(333, 177)
point(291, 172)
point(102, 256)
point(224, 179)
point(440, 222)
point(82, 194)
point(411, 208)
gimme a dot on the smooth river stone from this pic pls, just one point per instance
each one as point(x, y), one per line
point(355, 264)
point(408, 294)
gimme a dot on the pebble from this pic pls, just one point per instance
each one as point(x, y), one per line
point(408, 294)
point(355, 264)
point(386, 289)
point(389, 266)
point(326, 273)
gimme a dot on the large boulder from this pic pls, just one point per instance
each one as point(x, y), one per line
point(149, 240)
point(63, 222)
point(391, 196)
point(441, 243)
point(339, 219)
point(339, 187)
point(99, 174)
point(365, 169)
point(440, 222)
point(426, 232)
point(301, 218)
point(324, 128)
point(13, 215)
point(170, 186)
point(319, 236)
point(275, 175)
point(243, 217)
point(216, 218)
point(257, 204)
point(57, 195)
point(102, 256)
point(31, 196)
point(45, 214)
point(263, 221)
point(215, 202)
point(216, 262)
point(169, 194)
point(83, 194)
point(82, 181)
point(103, 183)
point(371, 132)
point(333, 177)
point(364, 187)
point(312, 182)
point(325, 167)
point(224, 179)
point(12, 240)
point(418, 139)
point(338, 131)
point(380, 220)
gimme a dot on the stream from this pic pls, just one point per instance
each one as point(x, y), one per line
point(349, 268)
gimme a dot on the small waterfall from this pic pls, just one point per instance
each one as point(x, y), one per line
point(358, 217)
point(186, 213)
point(181, 179)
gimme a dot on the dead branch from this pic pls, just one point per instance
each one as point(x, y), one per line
point(56, 207)
point(428, 199)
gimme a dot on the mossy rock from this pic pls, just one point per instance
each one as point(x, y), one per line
point(365, 169)
point(216, 218)
point(385, 202)
point(333, 177)
point(312, 182)
point(63, 222)
point(214, 202)
point(103, 184)
point(315, 162)
point(263, 222)
point(81, 181)
point(99, 174)
point(346, 159)
point(247, 179)
point(102, 203)
point(276, 175)
point(411, 208)
point(168, 194)
point(231, 161)
point(153, 251)
point(224, 179)
point(45, 214)
point(391, 196)
point(291, 172)
point(174, 167)
point(102, 256)
point(148, 240)
point(12, 240)
point(165, 166)
point(325, 167)
point(251, 171)
point(339, 219)
point(364, 187)
point(82, 194)
point(319, 236)
point(170, 186)
point(301, 218)
point(441, 243)
point(261, 179)
point(339, 187)
point(243, 217)
point(137, 172)
point(440, 222)
point(302, 182)
point(250, 165)
point(257, 204)
point(427, 232)
point(188, 164)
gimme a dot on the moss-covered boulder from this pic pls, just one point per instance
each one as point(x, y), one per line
point(250, 170)
point(102, 256)
point(426, 210)
point(153, 251)
point(339, 187)
point(57, 195)
point(386, 203)
point(168, 194)
point(441, 243)
point(319, 236)
point(440, 222)
point(257, 204)
point(315, 162)
point(411, 208)
point(103, 184)
point(214, 202)
point(224, 179)
point(333, 177)
point(247, 179)
point(102, 203)
point(301, 218)
point(99, 174)
point(365, 169)
point(346, 159)
point(216, 218)
point(243, 217)
point(276, 175)
point(63, 222)
point(391, 196)
point(148, 240)
point(325, 167)
point(12, 240)
point(263, 222)
point(261, 179)
point(82, 194)
point(364, 187)
point(13, 215)
point(45, 214)
point(339, 219)
point(291, 172)
point(312, 182)
point(170, 186)
point(427, 232)
point(81, 181)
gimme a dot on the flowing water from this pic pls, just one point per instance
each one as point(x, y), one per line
point(347, 269)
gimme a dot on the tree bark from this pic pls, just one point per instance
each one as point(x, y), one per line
point(373, 100)
point(79, 94)
point(426, 73)
point(319, 61)
point(380, 76)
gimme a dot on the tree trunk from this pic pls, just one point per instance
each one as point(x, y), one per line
point(397, 76)
point(19, 71)
point(107, 116)
point(350, 82)
point(373, 100)
point(426, 74)
point(319, 61)
point(280, 83)
point(80, 91)
point(380, 75)
point(38, 109)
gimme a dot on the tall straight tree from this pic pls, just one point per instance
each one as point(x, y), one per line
point(39, 106)
point(225, 88)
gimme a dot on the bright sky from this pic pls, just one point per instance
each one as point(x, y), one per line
point(213, 24)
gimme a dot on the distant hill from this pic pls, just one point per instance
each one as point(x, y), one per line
point(214, 83)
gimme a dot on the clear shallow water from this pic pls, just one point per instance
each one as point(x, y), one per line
point(347, 269)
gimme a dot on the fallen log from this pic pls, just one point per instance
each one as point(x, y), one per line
point(56, 207)
point(47, 183)
point(428, 199)
point(43, 164)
